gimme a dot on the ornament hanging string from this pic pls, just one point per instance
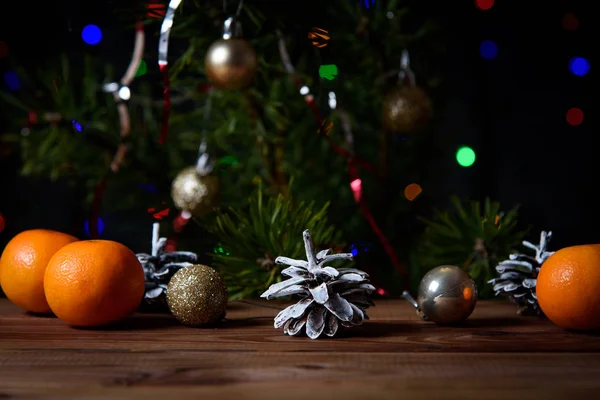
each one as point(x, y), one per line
point(121, 93)
point(310, 100)
point(348, 154)
point(239, 8)
point(204, 166)
point(163, 65)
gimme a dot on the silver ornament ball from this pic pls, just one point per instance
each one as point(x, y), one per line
point(447, 295)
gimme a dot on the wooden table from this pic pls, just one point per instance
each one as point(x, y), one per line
point(495, 355)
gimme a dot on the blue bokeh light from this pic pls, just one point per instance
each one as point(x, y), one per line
point(12, 80)
point(77, 126)
point(579, 66)
point(488, 49)
point(100, 227)
point(91, 34)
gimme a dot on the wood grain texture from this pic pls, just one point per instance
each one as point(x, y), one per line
point(496, 354)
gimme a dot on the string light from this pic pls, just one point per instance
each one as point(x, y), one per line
point(484, 4)
point(319, 37)
point(412, 191)
point(99, 226)
point(12, 80)
point(91, 34)
point(328, 72)
point(570, 22)
point(579, 66)
point(574, 116)
point(488, 49)
point(142, 69)
point(367, 3)
point(465, 156)
point(77, 126)
point(356, 186)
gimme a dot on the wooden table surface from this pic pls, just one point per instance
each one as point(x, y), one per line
point(494, 355)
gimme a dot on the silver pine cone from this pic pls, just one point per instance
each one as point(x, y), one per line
point(518, 276)
point(159, 267)
point(330, 297)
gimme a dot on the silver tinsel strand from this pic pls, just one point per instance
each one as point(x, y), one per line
point(518, 275)
point(159, 267)
point(330, 297)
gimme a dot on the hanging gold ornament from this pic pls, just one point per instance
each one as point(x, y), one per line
point(197, 295)
point(406, 108)
point(231, 62)
point(195, 193)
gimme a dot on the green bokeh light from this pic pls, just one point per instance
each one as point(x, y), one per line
point(465, 156)
point(142, 69)
point(328, 72)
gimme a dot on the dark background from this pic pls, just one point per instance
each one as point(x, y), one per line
point(510, 109)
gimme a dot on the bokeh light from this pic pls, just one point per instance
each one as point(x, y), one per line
point(488, 49)
point(570, 22)
point(91, 34)
point(12, 80)
point(412, 191)
point(77, 126)
point(3, 49)
point(579, 66)
point(484, 4)
point(156, 9)
point(99, 226)
point(465, 156)
point(142, 69)
point(574, 116)
point(2, 222)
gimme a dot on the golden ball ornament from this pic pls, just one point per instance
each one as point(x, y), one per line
point(231, 64)
point(195, 193)
point(197, 296)
point(406, 109)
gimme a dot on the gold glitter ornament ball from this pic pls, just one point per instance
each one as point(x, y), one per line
point(197, 295)
point(406, 109)
point(195, 193)
point(231, 64)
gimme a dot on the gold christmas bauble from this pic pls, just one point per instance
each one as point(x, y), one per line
point(195, 193)
point(197, 295)
point(406, 109)
point(231, 64)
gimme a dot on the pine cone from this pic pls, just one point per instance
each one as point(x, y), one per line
point(330, 297)
point(159, 267)
point(518, 276)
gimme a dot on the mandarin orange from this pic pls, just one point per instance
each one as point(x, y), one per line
point(94, 283)
point(23, 264)
point(568, 287)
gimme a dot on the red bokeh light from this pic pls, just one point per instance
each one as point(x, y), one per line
point(3, 49)
point(2, 223)
point(484, 4)
point(575, 116)
point(570, 22)
point(156, 9)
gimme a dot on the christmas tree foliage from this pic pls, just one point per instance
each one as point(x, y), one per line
point(266, 131)
point(472, 238)
point(251, 239)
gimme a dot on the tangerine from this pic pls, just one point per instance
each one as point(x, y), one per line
point(568, 287)
point(93, 283)
point(23, 264)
